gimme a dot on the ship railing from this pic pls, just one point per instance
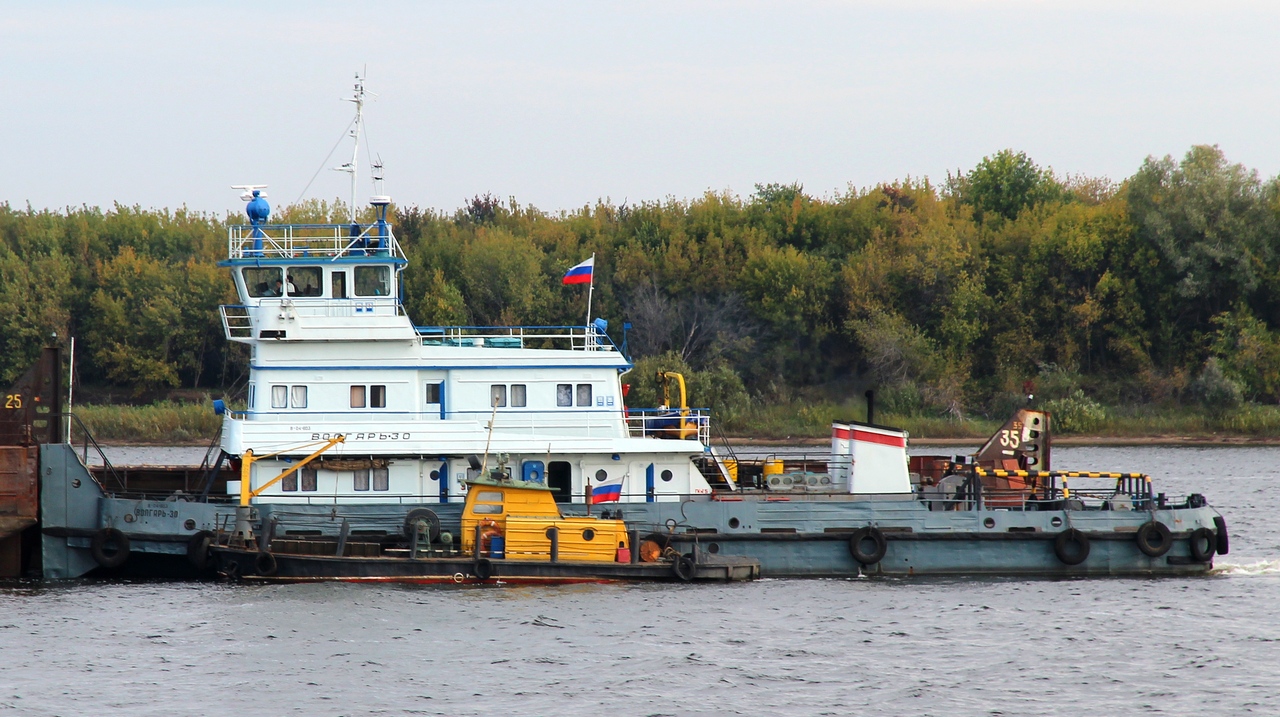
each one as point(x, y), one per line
point(289, 241)
point(1045, 490)
point(574, 338)
point(670, 423)
point(380, 424)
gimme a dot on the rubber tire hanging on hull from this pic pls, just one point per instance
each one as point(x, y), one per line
point(1205, 537)
point(684, 568)
point(1062, 546)
point(411, 520)
point(483, 569)
point(879, 548)
point(1224, 541)
point(265, 564)
point(1154, 539)
point(98, 544)
point(198, 549)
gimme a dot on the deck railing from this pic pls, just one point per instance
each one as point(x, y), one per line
point(575, 338)
point(288, 241)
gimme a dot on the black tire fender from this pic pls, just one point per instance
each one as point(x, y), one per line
point(98, 544)
point(265, 564)
point(1154, 539)
point(1203, 543)
point(684, 568)
point(198, 549)
point(411, 521)
point(1071, 546)
point(858, 547)
point(483, 569)
point(1224, 541)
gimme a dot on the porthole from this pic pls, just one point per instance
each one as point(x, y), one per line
point(189, 524)
point(667, 476)
point(713, 548)
point(989, 523)
point(602, 474)
point(588, 534)
point(1056, 522)
point(733, 523)
point(435, 475)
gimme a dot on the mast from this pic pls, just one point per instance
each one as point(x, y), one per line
point(358, 126)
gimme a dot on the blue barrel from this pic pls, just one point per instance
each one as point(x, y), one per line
point(497, 547)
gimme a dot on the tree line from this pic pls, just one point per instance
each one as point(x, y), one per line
point(950, 298)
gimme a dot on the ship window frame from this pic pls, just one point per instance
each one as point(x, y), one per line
point(381, 479)
point(519, 395)
point(363, 396)
point(378, 396)
point(311, 272)
point(434, 392)
point(361, 273)
point(487, 509)
point(497, 395)
point(564, 395)
point(360, 480)
point(279, 396)
point(310, 480)
point(579, 393)
point(289, 484)
point(489, 496)
point(296, 392)
point(251, 290)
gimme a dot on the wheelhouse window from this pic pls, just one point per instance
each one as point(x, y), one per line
point(564, 394)
point(498, 395)
point(263, 281)
point(584, 394)
point(518, 395)
point(357, 396)
point(279, 396)
point(433, 393)
point(298, 396)
point(377, 397)
point(373, 281)
point(303, 281)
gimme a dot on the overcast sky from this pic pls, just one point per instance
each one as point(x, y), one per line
point(558, 104)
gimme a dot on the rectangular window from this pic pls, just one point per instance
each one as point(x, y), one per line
point(279, 396)
point(339, 279)
point(357, 397)
point(290, 482)
point(309, 481)
point(262, 282)
point(564, 394)
point(381, 479)
point(298, 396)
point(584, 394)
point(497, 395)
point(373, 281)
point(517, 395)
point(433, 393)
point(303, 281)
point(362, 479)
point(253, 394)
point(377, 397)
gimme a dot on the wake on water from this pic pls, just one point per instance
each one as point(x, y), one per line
point(1259, 567)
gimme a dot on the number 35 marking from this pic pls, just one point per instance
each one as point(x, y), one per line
point(1009, 439)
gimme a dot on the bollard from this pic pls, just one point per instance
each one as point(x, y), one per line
point(635, 546)
point(554, 534)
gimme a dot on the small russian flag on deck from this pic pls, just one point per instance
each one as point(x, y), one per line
point(580, 274)
point(609, 491)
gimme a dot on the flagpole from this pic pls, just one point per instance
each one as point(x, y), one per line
point(591, 287)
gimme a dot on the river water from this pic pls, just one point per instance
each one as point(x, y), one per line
point(948, 647)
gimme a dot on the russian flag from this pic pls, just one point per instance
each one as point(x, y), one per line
point(580, 274)
point(609, 491)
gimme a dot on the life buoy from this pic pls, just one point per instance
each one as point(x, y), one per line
point(265, 563)
point(1154, 539)
point(1071, 546)
point(420, 514)
point(858, 547)
point(1223, 542)
point(1203, 543)
point(483, 569)
point(198, 549)
point(684, 568)
point(98, 545)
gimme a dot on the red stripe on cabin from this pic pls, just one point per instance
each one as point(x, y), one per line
point(841, 433)
point(869, 437)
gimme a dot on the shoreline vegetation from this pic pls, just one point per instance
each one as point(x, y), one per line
point(1140, 308)
point(171, 423)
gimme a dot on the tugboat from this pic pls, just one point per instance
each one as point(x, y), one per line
point(357, 420)
point(512, 532)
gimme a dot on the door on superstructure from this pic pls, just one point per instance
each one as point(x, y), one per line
point(560, 480)
point(339, 279)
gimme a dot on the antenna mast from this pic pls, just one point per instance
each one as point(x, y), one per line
point(356, 129)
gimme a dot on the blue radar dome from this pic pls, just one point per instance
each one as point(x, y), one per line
point(258, 209)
